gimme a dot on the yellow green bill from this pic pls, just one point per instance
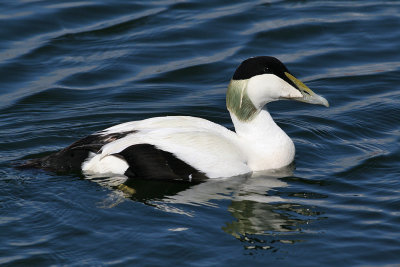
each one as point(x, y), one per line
point(308, 95)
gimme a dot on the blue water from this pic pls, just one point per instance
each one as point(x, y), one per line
point(70, 68)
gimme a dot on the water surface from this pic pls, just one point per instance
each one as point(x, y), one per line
point(69, 68)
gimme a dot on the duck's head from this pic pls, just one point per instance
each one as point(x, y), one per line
point(260, 80)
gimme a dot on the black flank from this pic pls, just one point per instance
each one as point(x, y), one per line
point(148, 162)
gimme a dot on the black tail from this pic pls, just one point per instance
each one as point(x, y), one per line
point(65, 160)
point(70, 159)
point(30, 164)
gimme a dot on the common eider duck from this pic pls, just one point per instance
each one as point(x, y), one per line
point(187, 148)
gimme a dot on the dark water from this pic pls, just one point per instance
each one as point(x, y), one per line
point(69, 68)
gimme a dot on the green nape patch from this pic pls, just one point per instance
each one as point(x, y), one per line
point(238, 102)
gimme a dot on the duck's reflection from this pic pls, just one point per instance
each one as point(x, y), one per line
point(256, 206)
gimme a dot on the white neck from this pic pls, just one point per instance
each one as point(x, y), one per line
point(265, 144)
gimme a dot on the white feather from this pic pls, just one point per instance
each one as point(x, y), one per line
point(266, 88)
point(206, 146)
point(210, 148)
point(258, 144)
point(111, 164)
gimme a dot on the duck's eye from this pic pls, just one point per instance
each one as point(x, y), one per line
point(266, 70)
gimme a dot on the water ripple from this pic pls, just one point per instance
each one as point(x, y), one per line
point(70, 68)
